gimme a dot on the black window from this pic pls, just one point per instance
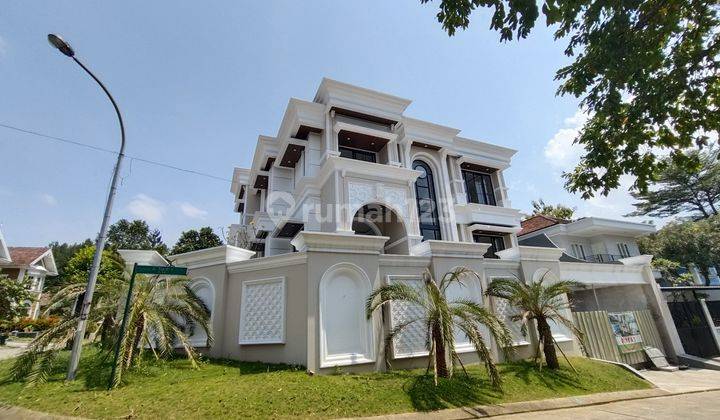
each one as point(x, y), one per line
point(497, 243)
point(479, 188)
point(357, 154)
point(426, 203)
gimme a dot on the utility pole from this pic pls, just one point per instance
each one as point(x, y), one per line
point(67, 50)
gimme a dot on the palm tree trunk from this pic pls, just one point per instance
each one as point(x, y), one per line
point(545, 335)
point(441, 363)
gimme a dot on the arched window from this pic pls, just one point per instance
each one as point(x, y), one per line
point(426, 202)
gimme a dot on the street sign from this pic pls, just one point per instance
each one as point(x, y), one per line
point(154, 269)
point(139, 269)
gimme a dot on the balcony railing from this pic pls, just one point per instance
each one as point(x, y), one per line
point(603, 258)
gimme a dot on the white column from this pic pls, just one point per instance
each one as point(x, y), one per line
point(448, 202)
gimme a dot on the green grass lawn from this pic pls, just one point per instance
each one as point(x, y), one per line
point(239, 389)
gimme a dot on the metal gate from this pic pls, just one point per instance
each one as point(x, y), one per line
point(694, 331)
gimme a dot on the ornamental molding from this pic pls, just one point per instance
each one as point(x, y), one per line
point(338, 242)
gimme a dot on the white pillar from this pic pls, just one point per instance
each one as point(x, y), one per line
point(448, 202)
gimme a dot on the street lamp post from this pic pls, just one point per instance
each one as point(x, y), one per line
point(67, 50)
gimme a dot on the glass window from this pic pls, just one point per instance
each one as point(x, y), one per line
point(356, 154)
point(623, 249)
point(426, 203)
point(497, 243)
point(479, 188)
point(578, 251)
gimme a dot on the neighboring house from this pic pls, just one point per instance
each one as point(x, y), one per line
point(351, 194)
point(592, 239)
point(4, 252)
point(35, 263)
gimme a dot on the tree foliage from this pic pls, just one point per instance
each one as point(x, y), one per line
point(678, 190)
point(441, 318)
point(135, 234)
point(558, 211)
point(62, 254)
point(688, 242)
point(193, 240)
point(15, 297)
point(163, 315)
point(540, 302)
point(77, 268)
point(648, 73)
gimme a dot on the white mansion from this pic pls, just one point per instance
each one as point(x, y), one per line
point(351, 194)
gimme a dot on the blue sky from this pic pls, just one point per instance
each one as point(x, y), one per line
point(197, 83)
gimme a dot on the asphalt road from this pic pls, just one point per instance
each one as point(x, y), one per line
point(699, 405)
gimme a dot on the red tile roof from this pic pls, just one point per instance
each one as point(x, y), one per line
point(537, 222)
point(24, 255)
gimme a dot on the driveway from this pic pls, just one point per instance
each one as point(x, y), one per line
point(12, 349)
point(699, 405)
point(684, 380)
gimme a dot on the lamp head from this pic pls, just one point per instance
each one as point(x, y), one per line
point(61, 45)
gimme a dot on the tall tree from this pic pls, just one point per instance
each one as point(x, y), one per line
point(125, 234)
point(78, 268)
point(688, 242)
point(541, 302)
point(440, 317)
point(62, 254)
point(648, 73)
point(678, 190)
point(193, 240)
point(558, 211)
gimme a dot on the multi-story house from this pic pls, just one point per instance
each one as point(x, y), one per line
point(350, 194)
point(592, 239)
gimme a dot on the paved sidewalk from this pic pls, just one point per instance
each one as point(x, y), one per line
point(684, 380)
point(697, 405)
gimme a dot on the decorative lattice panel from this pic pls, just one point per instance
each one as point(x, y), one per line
point(262, 317)
point(504, 311)
point(411, 340)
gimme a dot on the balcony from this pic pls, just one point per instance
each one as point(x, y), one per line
point(604, 258)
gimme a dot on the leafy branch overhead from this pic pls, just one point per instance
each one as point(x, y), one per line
point(648, 73)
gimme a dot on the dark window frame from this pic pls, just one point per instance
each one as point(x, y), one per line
point(483, 196)
point(356, 154)
point(496, 241)
point(429, 231)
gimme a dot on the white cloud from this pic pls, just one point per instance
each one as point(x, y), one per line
point(48, 199)
point(560, 151)
point(193, 212)
point(146, 208)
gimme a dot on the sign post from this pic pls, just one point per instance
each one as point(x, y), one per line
point(139, 269)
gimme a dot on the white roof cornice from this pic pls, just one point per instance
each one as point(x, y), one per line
point(342, 95)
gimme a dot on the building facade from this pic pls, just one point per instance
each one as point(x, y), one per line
point(31, 263)
point(351, 194)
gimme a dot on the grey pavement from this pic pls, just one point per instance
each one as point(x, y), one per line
point(12, 349)
point(698, 405)
point(684, 380)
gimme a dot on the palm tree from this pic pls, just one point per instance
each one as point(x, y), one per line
point(163, 314)
point(441, 318)
point(540, 302)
